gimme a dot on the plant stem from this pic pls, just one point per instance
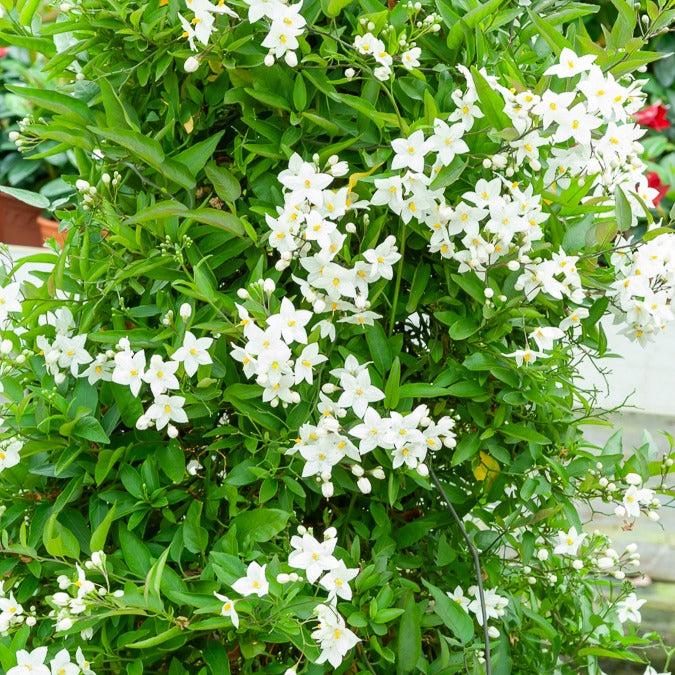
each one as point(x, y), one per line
point(476, 562)
point(399, 274)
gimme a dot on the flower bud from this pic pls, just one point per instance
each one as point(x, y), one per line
point(364, 485)
point(577, 564)
point(330, 533)
point(542, 554)
point(171, 431)
point(269, 60)
point(378, 473)
point(291, 59)
point(6, 346)
point(327, 489)
point(185, 311)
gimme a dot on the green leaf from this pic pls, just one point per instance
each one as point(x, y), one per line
point(195, 156)
point(463, 328)
point(59, 541)
point(452, 615)
point(221, 219)
point(155, 640)
point(471, 20)
point(418, 286)
point(172, 461)
point(492, 104)
point(224, 183)
point(260, 524)
point(195, 537)
point(26, 196)
point(99, 535)
point(90, 429)
point(68, 106)
point(524, 433)
point(421, 390)
point(448, 175)
point(143, 147)
point(135, 552)
point(300, 92)
point(391, 388)
point(622, 210)
point(409, 636)
point(153, 578)
point(555, 39)
point(379, 347)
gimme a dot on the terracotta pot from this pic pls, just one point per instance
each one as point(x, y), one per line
point(18, 222)
point(50, 228)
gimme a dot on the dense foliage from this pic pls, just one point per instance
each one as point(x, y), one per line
point(299, 393)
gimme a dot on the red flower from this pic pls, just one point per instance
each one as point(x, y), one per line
point(654, 181)
point(3, 51)
point(653, 116)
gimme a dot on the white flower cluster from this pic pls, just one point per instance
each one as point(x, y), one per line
point(203, 23)
point(306, 227)
point(83, 594)
point(495, 605)
point(635, 498)
point(644, 286)
point(35, 663)
point(403, 48)
point(286, 25)
point(585, 134)
point(317, 561)
point(408, 438)
point(67, 353)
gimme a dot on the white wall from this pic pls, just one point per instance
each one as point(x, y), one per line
point(646, 373)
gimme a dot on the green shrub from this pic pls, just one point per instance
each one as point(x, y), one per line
point(336, 284)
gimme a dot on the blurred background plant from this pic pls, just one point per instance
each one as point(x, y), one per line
point(21, 167)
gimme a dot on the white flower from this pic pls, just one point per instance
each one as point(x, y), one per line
point(358, 392)
point(381, 259)
point(83, 663)
point(570, 64)
point(410, 58)
point(458, 596)
point(129, 369)
point(228, 609)
point(10, 611)
point(62, 665)
point(161, 375)
point(569, 542)
point(447, 141)
point(333, 636)
point(545, 335)
point(254, 583)
point(72, 352)
point(304, 364)
point(336, 582)
point(30, 663)
point(527, 356)
point(9, 454)
point(290, 322)
point(193, 353)
point(410, 152)
point(494, 604)
point(167, 409)
point(193, 467)
point(629, 609)
point(9, 300)
point(312, 556)
point(650, 670)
